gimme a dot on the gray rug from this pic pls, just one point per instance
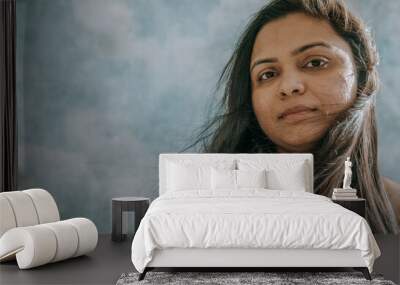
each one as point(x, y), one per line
point(229, 278)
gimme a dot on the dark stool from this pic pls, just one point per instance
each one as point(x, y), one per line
point(122, 204)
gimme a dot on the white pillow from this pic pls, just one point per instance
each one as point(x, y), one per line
point(223, 179)
point(189, 174)
point(251, 178)
point(292, 179)
point(228, 179)
point(188, 177)
point(281, 175)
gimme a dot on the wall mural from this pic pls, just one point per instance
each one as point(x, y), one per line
point(105, 86)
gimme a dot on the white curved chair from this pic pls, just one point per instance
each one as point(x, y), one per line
point(31, 230)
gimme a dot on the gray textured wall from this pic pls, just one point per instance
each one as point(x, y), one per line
point(104, 86)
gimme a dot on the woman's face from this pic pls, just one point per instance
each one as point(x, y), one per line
point(302, 76)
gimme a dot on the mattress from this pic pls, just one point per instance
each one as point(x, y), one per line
point(250, 219)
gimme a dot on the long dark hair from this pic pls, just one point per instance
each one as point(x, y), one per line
point(235, 129)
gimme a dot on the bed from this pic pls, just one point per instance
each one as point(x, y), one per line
point(245, 211)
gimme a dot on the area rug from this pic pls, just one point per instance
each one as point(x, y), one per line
point(229, 278)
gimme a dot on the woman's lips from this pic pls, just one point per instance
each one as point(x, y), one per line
point(297, 113)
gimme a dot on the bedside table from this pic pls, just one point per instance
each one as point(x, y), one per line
point(125, 204)
point(356, 205)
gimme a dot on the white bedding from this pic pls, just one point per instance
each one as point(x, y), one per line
point(251, 218)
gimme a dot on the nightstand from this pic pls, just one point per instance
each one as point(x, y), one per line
point(125, 204)
point(356, 205)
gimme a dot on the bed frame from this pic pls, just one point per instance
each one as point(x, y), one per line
point(238, 259)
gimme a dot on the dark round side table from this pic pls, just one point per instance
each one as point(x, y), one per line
point(125, 204)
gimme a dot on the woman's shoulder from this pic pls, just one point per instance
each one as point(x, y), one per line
point(391, 185)
point(393, 190)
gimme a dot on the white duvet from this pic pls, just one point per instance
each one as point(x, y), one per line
point(251, 218)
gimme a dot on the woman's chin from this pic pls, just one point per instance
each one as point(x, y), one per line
point(297, 144)
point(303, 148)
point(299, 139)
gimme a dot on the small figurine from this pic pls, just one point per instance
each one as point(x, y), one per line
point(345, 193)
point(347, 174)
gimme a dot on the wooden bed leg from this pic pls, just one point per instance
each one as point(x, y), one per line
point(143, 274)
point(364, 271)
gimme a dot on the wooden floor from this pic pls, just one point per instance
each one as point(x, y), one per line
point(103, 266)
point(110, 259)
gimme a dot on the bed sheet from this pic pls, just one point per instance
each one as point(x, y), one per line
point(250, 218)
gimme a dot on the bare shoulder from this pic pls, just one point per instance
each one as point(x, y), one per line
point(391, 185)
point(393, 190)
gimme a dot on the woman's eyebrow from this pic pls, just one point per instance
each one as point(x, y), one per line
point(294, 52)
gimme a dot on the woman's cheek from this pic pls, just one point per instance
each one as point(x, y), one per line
point(347, 88)
point(336, 92)
point(263, 109)
point(261, 104)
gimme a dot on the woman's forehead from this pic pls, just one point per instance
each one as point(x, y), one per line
point(284, 35)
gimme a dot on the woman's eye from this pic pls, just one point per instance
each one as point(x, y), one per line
point(316, 62)
point(266, 75)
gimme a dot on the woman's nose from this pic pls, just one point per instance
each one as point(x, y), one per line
point(291, 85)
